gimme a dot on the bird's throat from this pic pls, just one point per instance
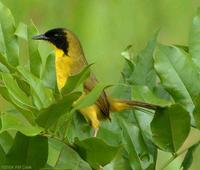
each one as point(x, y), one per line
point(63, 67)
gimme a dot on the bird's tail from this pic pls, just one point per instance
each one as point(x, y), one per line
point(123, 104)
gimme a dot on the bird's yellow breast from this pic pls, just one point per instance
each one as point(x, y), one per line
point(63, 67)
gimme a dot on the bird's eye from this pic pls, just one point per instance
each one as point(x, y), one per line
point(56, 35)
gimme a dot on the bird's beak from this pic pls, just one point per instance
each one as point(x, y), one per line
point(40, 37)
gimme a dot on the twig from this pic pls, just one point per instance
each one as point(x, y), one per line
point(56, 138)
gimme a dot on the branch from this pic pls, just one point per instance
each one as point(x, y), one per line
point(46, 134)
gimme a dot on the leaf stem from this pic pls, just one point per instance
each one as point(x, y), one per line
point(56, 138)
point(175, 155)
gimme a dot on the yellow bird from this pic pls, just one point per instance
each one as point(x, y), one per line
point(70, 60)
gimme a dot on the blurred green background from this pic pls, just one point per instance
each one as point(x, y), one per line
point(106, 27)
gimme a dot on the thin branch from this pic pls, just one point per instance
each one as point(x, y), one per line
point(56, 138)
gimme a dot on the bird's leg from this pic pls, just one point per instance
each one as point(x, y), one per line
point(95, 132)
point(100, 167)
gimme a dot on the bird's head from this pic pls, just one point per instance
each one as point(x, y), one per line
point(57, 36)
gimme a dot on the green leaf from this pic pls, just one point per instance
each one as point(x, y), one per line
point(127, 71)
point(136, 127)
point(33, 154)
point(75, 80)
point(196, 111)
point(120, 162)
point(6, 141)
point(2, 43)
point(142, 135)
point(29, 115)
point(2, 157)
point(34, 55)
point(144, 73)
point(143, 93)
point(50, 115)
point(49, 73)
point(137, 135)
point(129, 66)
point(75, 125)
point(4, 93)
point(21, 31)
point(133, 157)
point(127, 53)
point(184, 47)
point(23, 85)
point(54, 149)
point(194, 39)
point(189, 157)
point(170, 127)
point(10, 48)
point(43, 97)
point(90, 98)
point(93, 151)
point(111, 133)
point(178, 74)
point(4, 62)
point(62, 157)
point(15, 93)
point(16, 121)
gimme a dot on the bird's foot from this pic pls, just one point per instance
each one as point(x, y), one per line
point(95, 132)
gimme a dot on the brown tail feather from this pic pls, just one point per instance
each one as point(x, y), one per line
point(123, 104)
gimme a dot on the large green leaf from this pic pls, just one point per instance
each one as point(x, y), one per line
point(28, 114)
point(120, 162)
point(2, 157)
point(26, 32)
point(49, 73)
point(43, 96)
point(144, 73)
point(62, 156)
point(90, 98)
point(75, 80)
point(5, 94)
point(136, 128)
point(178, 74)
point(50, 115)
point(16, 94)
point(5, 65)
point(16, 121)
point(23, 85)
point(189, 157)
point(194, 39)
point(75, 125)
point(34, 55)
point(111, 132)
point(10, 46)
point(26, 151)
point(143, 93)
point(196, 112)
point(170, 127)
point(21, 31)
point(143, 138)
point(6, 141)
point(130, 147)
point(93, 151)
point(54, 149)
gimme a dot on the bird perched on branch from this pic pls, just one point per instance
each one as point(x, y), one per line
point(70, 60)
